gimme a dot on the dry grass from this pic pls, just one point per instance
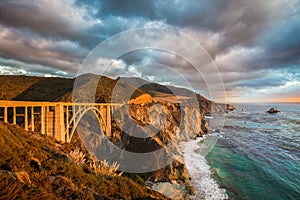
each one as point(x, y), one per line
point(103, 168)
point(57, 177)
point(11, 188)
point(97, 166)
point(77, 156)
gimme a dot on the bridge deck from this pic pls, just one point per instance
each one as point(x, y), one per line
point(45, 103)
point(57, 119)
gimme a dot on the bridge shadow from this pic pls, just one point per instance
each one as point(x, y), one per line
point(48, 89)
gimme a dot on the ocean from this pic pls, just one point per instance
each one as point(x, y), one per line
point(256, 155)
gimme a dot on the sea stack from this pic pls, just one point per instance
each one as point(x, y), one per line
point(230, 107)
point(273, 110)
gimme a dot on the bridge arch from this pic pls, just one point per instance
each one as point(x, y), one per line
point(74, 121)
point(56, 119)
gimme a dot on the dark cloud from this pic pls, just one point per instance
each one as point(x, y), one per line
point(136, 8)
point(283, 42)
point(261, 83)
point(238, 21)
point(33, 49)
point(9, 66)
point(58, 19)
point(247, 39)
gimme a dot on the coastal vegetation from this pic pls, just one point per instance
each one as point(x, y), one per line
point(33, 165)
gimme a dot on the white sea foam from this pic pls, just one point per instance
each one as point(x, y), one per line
point(205, 186)
point(208, 117)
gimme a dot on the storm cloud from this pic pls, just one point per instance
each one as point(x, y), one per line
point(255, 44)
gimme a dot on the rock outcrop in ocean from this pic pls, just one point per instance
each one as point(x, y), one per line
point(230, 107)
point(273, 110)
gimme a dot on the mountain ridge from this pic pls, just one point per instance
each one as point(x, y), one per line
point(32, 88)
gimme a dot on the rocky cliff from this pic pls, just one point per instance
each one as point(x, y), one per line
point(174, 123)
point(161, 122)
point(146, 128)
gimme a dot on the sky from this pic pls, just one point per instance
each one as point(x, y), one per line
point(254, 44)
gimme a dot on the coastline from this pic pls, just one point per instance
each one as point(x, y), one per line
point(205, 187)
point(253, 149)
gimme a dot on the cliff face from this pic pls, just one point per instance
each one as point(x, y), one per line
point(164, 126)
point(148, 128)
point(172, 118)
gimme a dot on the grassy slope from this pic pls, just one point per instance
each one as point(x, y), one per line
point(33, 88)
point(36, 167)
point(28, 88)
point(60, 89)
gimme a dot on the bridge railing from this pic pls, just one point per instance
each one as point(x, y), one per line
point(57, 119)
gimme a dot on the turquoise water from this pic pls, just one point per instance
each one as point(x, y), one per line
point(257, 155)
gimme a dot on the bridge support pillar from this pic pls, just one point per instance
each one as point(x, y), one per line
point(32, 118)
point(5, 115)
point(55, 118)
point(43, 124)
point(14, 115)
point(108, 121)
point(26, 118)
point(59, 123)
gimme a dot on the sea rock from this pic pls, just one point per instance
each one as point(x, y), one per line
point(230, 107)
point(273, 110)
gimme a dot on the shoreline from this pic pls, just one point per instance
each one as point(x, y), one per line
point(205, 187)
point(200, 182)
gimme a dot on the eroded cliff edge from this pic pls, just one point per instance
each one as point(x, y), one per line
point(175, 123)
point(164, 126)
point(173, 119)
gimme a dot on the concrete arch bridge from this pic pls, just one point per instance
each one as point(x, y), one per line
point(56, 119)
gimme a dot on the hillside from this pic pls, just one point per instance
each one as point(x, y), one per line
point(44, 162)
point(35, 166)
point(33, 88)
point(28, 88)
